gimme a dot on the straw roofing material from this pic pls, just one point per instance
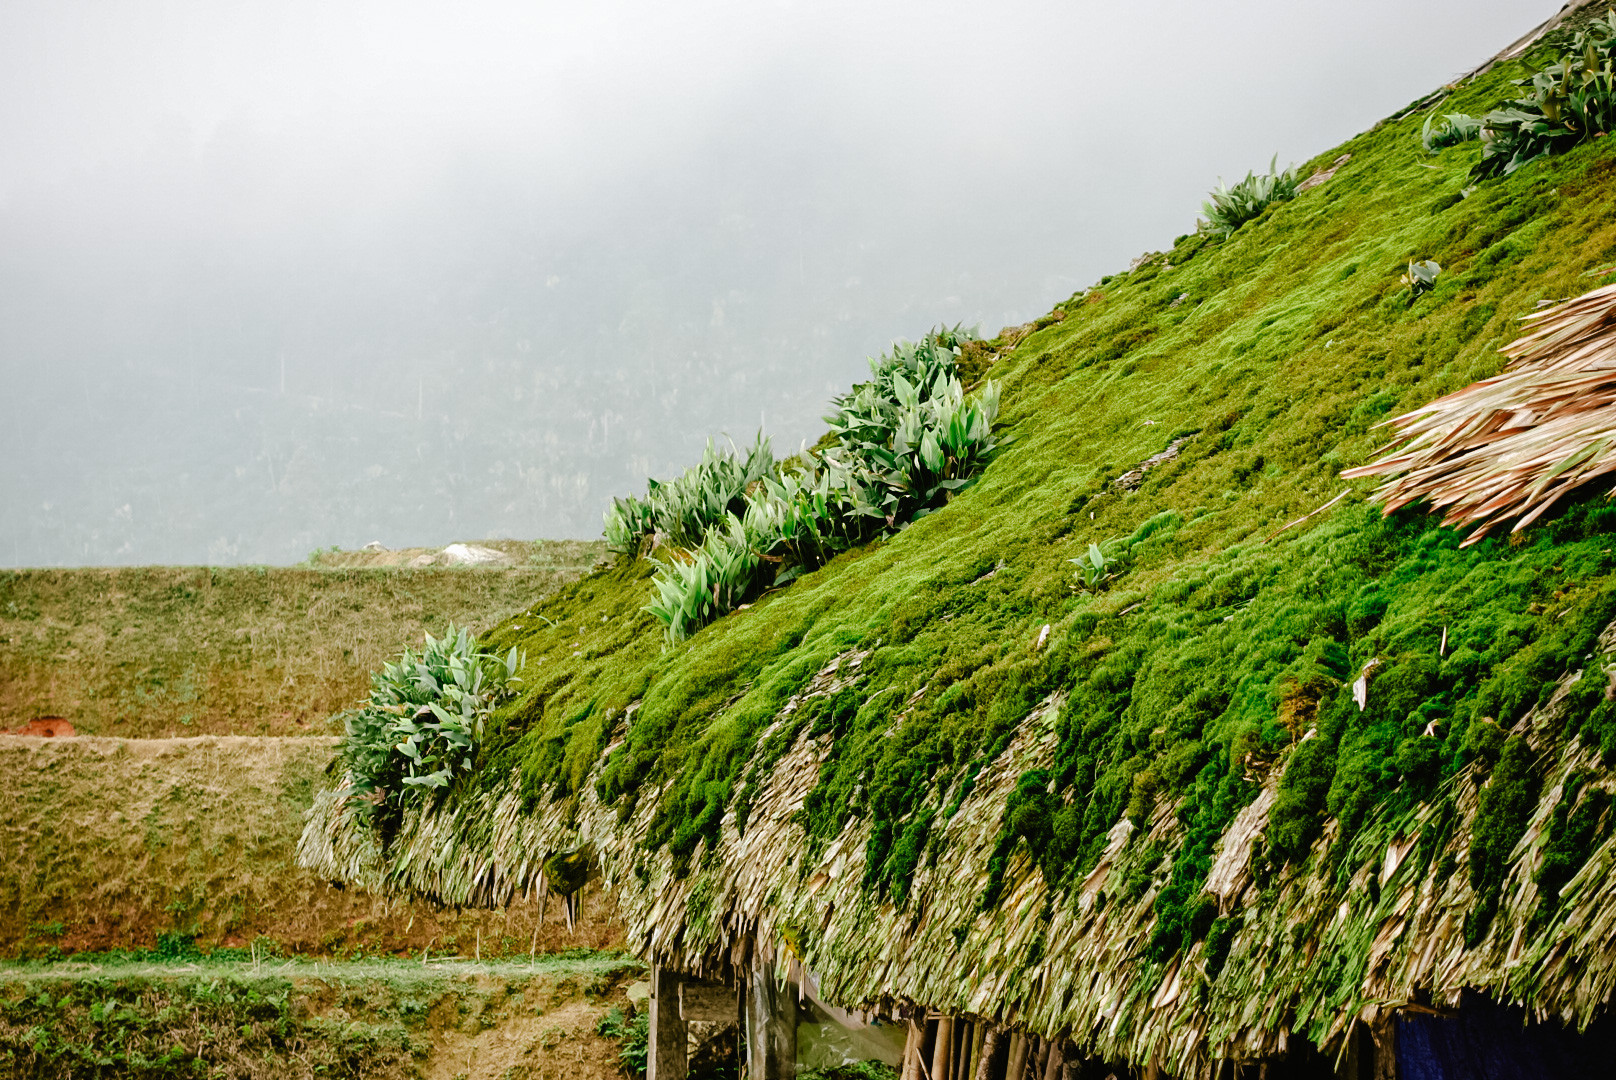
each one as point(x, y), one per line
point(1509, 446)
point(1317, 949)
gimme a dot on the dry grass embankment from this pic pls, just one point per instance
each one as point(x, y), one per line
point(156, 652)
point(108, 843)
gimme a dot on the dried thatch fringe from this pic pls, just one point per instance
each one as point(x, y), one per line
point(1312, 954)
point(1509, 446)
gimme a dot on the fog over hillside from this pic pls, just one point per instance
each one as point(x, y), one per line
point(280, 276)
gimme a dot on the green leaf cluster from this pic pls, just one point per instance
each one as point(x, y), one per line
point(1227, 208)
point(908, 438)
point(423, 720)
point(632, 1030)
point(1566, 101)
point(901, 445)
point(1441, 132)
point(680, 511)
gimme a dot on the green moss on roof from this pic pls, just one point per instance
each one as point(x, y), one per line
point(1216, 665)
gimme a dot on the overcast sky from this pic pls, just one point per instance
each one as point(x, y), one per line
point(277, 276)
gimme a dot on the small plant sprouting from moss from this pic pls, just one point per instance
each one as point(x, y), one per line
point(1441, 132)
point(1420, 277)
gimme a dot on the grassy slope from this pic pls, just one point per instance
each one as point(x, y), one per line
point(273, 1020)
point(110, 843)
point(147, 652)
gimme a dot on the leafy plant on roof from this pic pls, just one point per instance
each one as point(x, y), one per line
point(1441, 132)
point(1567, 101)
point(905, 446)
point(423, 720)
point(1099, 563)
point(1227, 208)
point(693, 588)
point(680, 511)
point(904, 443)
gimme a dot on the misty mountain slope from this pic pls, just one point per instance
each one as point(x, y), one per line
point(1148, 816)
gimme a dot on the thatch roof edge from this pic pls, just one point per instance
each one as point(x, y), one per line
point(1314, 954)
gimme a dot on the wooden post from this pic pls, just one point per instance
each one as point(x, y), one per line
point(1057, 1058)
point(1017, 1065)
point(665, 1056)
point(771, 1026)
point(1383, 1034)
point(986, 1067)
point(941, 1052)
point(915, 1035)
point(979, 1034)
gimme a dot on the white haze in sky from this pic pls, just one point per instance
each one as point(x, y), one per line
point(276, 276)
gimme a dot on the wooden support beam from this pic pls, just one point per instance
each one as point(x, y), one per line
point(665, 1056)
point(979, 1031)
point(709, 1001)
point(771, 1026)
point(941, 1053)
point(987, 1067)
point(1016, 1066)
point(1056, 1059)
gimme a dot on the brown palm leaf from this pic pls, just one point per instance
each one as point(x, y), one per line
point(1509, 446)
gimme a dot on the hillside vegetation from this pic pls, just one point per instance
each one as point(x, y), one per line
point(269, 1021)
point(150, 652)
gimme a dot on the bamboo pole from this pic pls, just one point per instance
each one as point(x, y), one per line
point(940, 1052)
point(1017, 1064)
point(979, 1030)
point(1057, 1058)
point(911, 1050)
point(928, 1045)
point(991, 1042)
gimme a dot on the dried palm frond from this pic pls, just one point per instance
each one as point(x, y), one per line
point(1509, 446)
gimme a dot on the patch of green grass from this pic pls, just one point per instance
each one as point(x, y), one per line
point(255, 1020)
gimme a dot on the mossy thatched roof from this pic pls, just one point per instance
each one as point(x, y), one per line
point(1291, 764)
